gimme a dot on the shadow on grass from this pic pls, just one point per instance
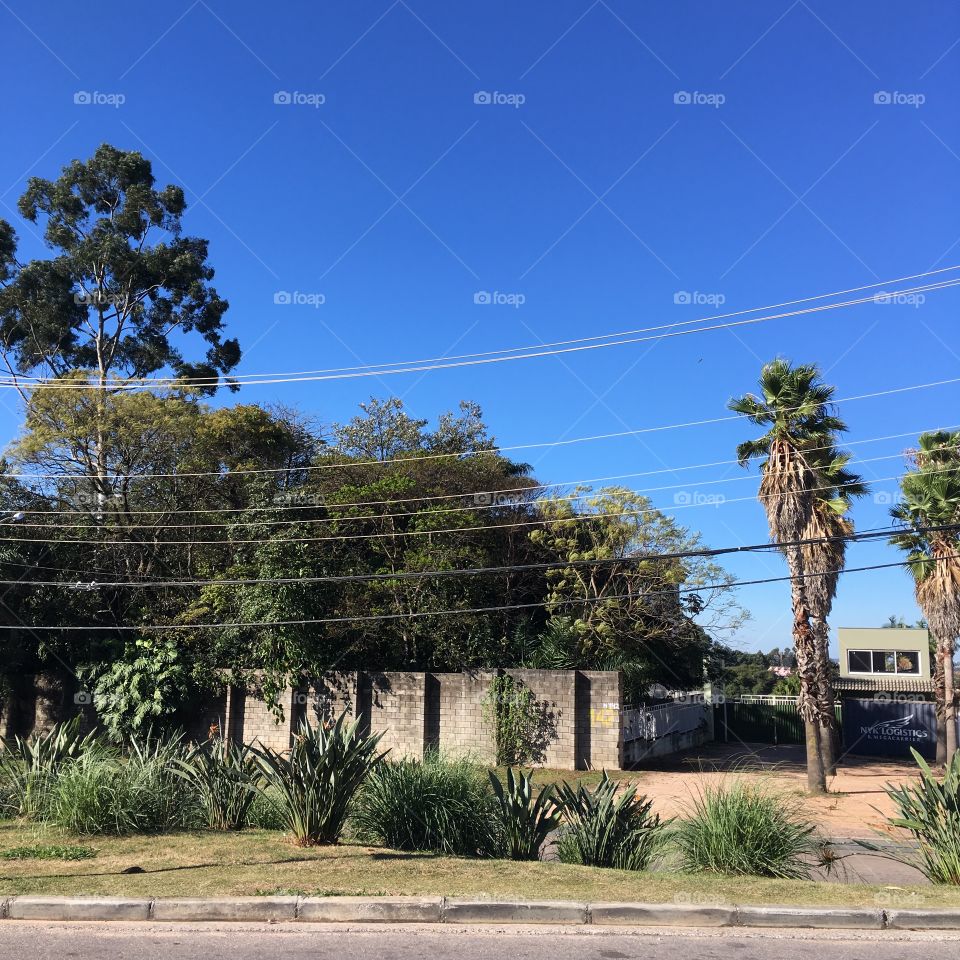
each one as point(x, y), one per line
point(174, 869)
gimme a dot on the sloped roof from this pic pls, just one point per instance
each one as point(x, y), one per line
point(884, 684)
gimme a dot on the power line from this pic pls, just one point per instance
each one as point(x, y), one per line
point(119, 525)
point(555, 343)
point(453, 364)
point(573, 518)
point(873, 534)
point(283, 508)
point(418, 458)
point(417, 614)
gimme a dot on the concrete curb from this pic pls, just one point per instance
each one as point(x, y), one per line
point(463, 911)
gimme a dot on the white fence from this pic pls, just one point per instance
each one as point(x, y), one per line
point(662, 719)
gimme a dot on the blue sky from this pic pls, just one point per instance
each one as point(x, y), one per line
point(583, 189)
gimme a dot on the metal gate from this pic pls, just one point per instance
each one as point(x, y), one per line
point(759, 720)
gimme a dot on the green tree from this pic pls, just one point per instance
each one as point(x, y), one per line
point(120, 294)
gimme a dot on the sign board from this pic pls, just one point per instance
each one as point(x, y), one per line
point(887, 728)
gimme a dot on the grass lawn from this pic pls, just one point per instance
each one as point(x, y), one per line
point(259, 862)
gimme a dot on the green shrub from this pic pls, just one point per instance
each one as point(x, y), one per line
point(315, 781)
point(48, 852)
point(223, 775)
point(604, 830)
point(29, 768)
point(265, 811)
point(437, 804)
point(100, 793)
point(741, 828)
point(930, 810)
point(525, 821)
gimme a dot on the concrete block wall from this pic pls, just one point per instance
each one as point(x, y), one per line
point(580, 713)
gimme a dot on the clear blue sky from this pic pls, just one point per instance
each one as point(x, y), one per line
point(597, 199)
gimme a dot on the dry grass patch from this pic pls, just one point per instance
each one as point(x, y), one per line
point(252, 862)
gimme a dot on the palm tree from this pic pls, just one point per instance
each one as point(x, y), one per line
point(929, 511)
point(794, 406)
point(825, 550)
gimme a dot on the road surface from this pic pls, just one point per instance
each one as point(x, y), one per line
point(154, 941)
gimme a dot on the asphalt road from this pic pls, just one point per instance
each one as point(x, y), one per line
point(148, 941)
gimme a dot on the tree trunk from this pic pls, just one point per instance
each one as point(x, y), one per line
point(829, 735)
point(805, 644)
point(939, 690)
point(950, 704)
point(816, 778)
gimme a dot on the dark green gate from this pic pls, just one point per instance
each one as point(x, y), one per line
point(759, 722)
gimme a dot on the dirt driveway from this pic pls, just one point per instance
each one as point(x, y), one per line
point(850, 809)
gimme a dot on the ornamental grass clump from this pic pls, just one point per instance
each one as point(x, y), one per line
point(602, 829)
point(314, 782)
point(436, 804)
point(743, 828)
point(101, 792)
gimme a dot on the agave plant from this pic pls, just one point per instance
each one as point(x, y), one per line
point(930, 810)
point(526, 820)
point(223, 775)
point(314, 782)
point(604, 830)
point(29, 768)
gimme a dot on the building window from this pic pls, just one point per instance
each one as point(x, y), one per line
point(903, 662)
point(859, 661)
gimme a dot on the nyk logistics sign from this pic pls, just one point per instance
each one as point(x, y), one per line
point(885, 729)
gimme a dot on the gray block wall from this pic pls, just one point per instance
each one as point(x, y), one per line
point(580, 712)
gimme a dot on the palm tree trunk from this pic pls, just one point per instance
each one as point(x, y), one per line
point(950, 703)
point(805, 646)
point(829, 739)
point(939, 696)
